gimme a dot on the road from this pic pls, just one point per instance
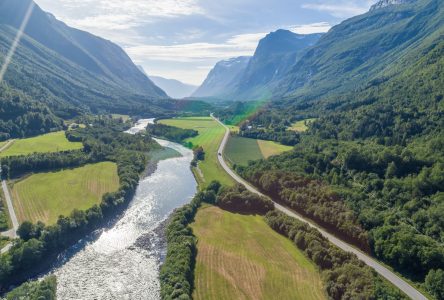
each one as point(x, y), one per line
point(15, 223)
point(383, 271)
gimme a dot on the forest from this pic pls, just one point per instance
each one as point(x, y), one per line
point(370, 168)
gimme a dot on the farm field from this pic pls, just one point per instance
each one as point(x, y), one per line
point(210, 136)
point(46, 196)
point(51, 142)
point(241, 257)
point(241, 150)
point(301, 126)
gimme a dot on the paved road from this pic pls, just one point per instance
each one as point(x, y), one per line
point(15, 224)
point(383, 271)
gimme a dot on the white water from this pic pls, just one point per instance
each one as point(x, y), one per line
point(112, 265)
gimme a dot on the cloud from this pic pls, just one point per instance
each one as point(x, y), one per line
point(311, 28)
point(340, 9)
point(238, 45)
point(99, 15)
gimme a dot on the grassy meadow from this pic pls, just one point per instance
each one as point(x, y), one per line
point(210, 136)
point(51, 142)
point(241, 150)
point(46, 196)
point(241, 257)
point(301, 126)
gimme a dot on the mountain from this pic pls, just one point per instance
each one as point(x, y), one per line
point(271, 61)
point(385, 3)
point(253, 78)
point(174, 88)
point(372, 46)
point(94, 54)
point(69, 70)
point(222, 78)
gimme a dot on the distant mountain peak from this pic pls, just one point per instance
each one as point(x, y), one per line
point(384, 3)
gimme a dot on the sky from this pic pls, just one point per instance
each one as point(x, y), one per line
point(184, 39)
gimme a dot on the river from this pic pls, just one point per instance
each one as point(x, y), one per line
point(122, 262)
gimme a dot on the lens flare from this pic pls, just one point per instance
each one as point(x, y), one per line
point(16, 40)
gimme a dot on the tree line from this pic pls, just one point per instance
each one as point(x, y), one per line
point(344, 275)
point(171, 133)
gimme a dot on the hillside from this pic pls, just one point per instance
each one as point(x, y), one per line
point(222, 78)
point(94, 54)
point(274, 56)
point(365, 48)
point(255, 78)
point(371, 164)
point(174, 88)
point(58, 72)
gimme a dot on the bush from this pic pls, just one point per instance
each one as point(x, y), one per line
point(434, 283)
point(238, 199)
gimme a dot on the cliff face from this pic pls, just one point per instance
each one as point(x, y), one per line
point(385, 3)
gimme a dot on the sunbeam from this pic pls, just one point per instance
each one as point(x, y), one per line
point(16, 40)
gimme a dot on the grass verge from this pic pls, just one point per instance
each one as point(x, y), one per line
point(46, 196)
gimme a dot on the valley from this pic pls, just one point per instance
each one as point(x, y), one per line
point(215, 150)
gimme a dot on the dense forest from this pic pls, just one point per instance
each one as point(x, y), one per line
point(103, 140)
point(371, 167)
point(20, 116)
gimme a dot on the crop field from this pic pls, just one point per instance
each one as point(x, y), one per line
point(210, 136)
point(51, 142)
point(241, 257)
point(301, 126)
point(46, 196)
point(241, 150)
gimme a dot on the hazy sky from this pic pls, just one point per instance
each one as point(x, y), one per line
point(183, 39)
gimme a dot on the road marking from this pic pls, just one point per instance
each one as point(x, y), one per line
point(371, 262)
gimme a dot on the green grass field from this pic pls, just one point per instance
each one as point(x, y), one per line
point(241, 257)
point(301, 126)
point(51, 142)
point(210, 136)
point(46, 196)
point(241, 150)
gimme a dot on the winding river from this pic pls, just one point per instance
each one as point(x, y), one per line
point(122, 262)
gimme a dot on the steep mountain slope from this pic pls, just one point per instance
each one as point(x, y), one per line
point(222, 78)
point(255, 78)
point(275, 54)
point(94, 54)
point(361, 48)
point(174, 88)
